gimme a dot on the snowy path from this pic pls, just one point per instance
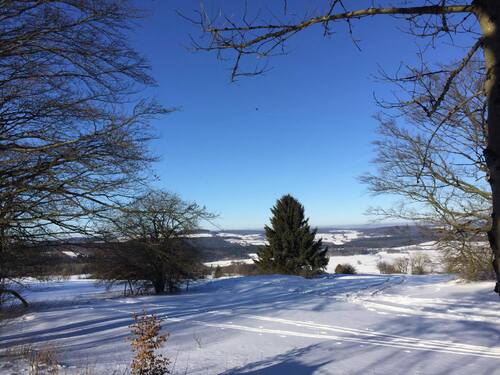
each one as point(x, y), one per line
point(277, 324)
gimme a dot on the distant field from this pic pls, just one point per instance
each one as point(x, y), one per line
point(224, 245)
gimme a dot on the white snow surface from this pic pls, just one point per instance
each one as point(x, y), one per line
point(336, 236)
point(367, 263)
point(244, 239)
point(339, 237)
point(374, 324)
point(364, 263)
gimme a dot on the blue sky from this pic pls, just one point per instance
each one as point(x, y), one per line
point(303, 128)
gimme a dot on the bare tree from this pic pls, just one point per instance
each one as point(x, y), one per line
point(146, 242)
point(436, 165)
point(73, 126)
point(254, 35)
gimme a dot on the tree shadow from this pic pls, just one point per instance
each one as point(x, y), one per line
point(286, 363)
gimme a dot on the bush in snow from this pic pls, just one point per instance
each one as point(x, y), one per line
point(42, 360)
point(421, 264)
point(401, 265)
point(145, 341)
point(346, 269)
point(239, 268)
point(385, 267)
point(218, 272)
point(471, 261)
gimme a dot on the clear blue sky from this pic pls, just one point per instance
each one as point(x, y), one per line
point(303, 128)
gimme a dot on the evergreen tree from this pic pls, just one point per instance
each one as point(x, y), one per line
point(292, 249)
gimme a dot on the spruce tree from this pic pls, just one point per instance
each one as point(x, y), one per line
point(291, 247)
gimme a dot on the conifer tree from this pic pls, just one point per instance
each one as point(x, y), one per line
point(292, 249)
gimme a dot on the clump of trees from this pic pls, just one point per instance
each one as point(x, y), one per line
point(73, 125)
point(145, 243)
point(235, 269)
point(416, 264)
point(471, 261)
point(399, 265)
point(421, 264)
point(292, 248)
point(386, 267)
point(428, 89)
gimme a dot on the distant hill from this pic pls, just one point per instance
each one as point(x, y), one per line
point(237, 244)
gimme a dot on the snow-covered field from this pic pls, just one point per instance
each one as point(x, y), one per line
point(336, 236)
point(224, 263)
point(364, 263)
point(339, 237)
point(374, 324)
point(367, 263)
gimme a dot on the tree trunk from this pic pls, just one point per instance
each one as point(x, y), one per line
point(172, 286)
point(159, 285)
point(488, 14)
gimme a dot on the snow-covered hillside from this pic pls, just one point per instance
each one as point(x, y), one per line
point(275, 325)
point(364, 263)
point(339, 237)
point(335, 236)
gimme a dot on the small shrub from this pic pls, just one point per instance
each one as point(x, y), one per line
point(401, 265)
point(421, 264)
point(240, 268)
point(41, 361)
point(197, 338)
point(218, 272)
point(386, 268)
point(345, 269)
point(145, 341)
point(473, 263)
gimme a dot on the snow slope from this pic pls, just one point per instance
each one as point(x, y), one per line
point(364, 263)
point(367, 263)
point(375, 324)
point(336, 236)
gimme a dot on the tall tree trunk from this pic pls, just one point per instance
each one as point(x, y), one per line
point(488, 14)
point(159, 285)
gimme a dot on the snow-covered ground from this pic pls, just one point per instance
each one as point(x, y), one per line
point(246, 239)
point(224, 263)
point(367, 263)
point(364, 263)
point(336, 236)
point(339, 237)
point(375, 324)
